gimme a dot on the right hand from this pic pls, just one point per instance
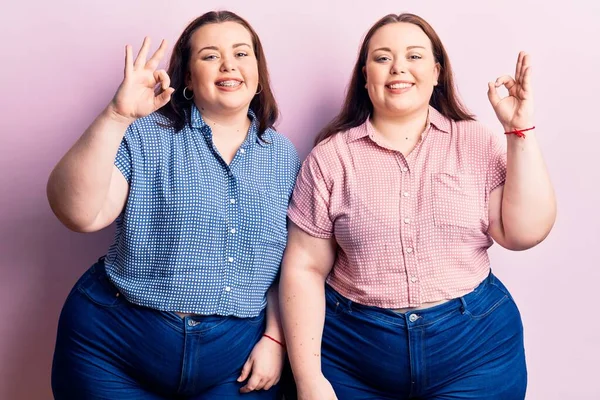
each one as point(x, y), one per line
point(319, 389)
point(136, 95)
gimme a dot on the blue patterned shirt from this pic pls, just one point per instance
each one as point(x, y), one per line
point(198, 235)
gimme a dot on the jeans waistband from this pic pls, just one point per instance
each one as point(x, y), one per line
point(422, 316)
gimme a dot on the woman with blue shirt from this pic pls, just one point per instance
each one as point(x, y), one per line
point(183, 304)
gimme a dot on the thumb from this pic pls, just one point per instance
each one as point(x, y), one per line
point(493, 94)
point(246, 370)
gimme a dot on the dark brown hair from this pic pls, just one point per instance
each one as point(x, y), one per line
point(358, 106)
point(178, 109)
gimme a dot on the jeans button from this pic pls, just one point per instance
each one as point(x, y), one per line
point(191, 322)
point(413, 317)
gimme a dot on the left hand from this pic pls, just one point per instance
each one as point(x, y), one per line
point(515, 111)
point(264, 366)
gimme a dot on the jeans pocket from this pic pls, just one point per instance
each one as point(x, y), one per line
point(99, 289)
point(486, 302)
point(332, 303)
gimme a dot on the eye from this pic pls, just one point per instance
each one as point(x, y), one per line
point(415, 57)
point(210, 57)
point(241, 54)
point(382, 59)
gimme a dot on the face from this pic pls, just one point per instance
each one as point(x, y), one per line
point(223, 70)
point(400, 69)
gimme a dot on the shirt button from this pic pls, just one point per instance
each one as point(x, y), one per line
point(242, 150)
point(227, 288)
point(404, 169)
point(407, 220)
point(232, 230)
point(413, 279)
point(232, 201)
point(230, 259)
point(405, 194)
point(409, 249)
point(413, 317)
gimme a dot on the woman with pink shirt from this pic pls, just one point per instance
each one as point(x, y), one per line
point(386, 287)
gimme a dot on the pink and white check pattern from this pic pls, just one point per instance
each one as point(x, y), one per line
point(410, 230)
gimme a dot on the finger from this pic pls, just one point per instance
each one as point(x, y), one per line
point(255, 383)
point(526, 85)
point(270, 383)
point(519, 68)
point(141, 57)
point(493, 94)
point(163, 78)
point(157, 56)
point(128, 60)
point(245, 370)
point(505, 80)
point(163, 98)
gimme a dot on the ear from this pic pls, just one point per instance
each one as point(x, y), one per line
point(364, 72)
point(437, 69)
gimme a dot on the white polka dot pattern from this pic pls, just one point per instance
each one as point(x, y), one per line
point(410, 230)
point(198, 235)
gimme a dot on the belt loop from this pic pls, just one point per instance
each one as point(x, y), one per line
point(463, 306)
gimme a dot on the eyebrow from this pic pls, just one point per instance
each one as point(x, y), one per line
point(390, 50)
point(216, 48)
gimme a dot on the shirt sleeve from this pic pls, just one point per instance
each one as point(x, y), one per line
point(124, 160)
point(496, 173)
point(309, 207)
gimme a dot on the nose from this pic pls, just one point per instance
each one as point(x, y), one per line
point(398, 67)
point(227, 65)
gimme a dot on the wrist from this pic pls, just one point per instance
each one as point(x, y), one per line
point(307, 379)
point(511, 131)
point(275, 339)
point(111, 114)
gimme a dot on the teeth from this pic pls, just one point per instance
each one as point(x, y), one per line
point(229, 83)
point(400, 85)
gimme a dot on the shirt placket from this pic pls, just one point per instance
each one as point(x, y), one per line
point(408, 232)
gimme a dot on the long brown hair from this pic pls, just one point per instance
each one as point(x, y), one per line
point(177, 110)
point(358, 106)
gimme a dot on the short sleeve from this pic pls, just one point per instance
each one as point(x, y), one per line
point(496, 173)
point(124, 160)
point(309, 207)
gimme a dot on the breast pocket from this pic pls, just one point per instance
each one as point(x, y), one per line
point(274, 213)
point(456, 201)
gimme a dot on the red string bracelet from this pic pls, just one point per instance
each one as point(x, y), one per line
point(275, 340)
point(519, 132)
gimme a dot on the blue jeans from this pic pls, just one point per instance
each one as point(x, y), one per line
point(108, 348)
point(468, 348)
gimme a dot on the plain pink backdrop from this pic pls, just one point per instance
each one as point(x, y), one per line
point(62, 61)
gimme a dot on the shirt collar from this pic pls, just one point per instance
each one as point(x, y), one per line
point(199, 123)
point(434, 118)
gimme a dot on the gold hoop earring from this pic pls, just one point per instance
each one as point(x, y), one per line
point(261, 89)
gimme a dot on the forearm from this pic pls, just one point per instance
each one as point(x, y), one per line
point(273, 326)
point(528, 201)
point(302, 302)
point(78, 185)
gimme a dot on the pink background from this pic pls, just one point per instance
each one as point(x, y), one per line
point(62, 61)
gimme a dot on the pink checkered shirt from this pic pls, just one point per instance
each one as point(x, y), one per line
point(410, 230)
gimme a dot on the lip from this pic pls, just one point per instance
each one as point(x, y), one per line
point(400, 89)
point(228, 88)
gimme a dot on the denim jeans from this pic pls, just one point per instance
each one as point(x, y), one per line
point(468, 348)
point(108, 348)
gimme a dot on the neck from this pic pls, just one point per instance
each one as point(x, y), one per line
point(400, 127)
point(234, 120)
